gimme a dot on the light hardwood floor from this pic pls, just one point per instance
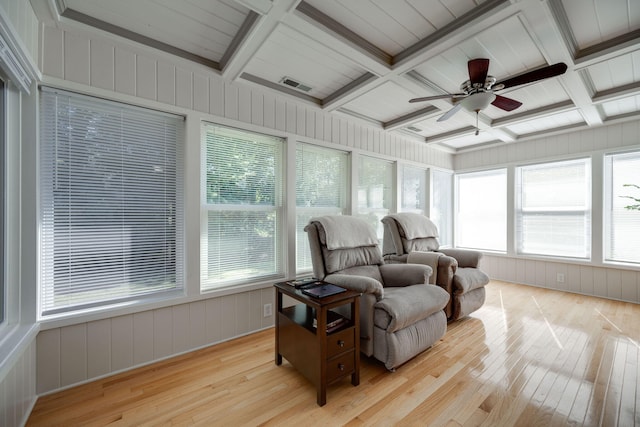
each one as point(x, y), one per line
point(528, 357)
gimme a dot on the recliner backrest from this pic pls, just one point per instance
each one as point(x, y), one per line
point(407, 232)
point(343, 242)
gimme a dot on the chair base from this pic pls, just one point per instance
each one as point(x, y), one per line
point(465, 304)
point(394, 349)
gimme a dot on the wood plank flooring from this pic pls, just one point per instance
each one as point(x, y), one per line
point(528, 357)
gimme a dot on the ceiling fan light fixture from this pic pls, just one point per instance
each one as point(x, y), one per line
point(478, 101)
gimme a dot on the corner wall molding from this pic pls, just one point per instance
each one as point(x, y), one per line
point(13, 59)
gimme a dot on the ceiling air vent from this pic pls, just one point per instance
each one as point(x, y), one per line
point(414, 129)
point(295, 84)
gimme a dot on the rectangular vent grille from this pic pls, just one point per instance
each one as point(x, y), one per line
point(414, 129)
point(295, 84)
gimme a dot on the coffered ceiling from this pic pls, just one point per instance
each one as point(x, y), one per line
point(367, 58)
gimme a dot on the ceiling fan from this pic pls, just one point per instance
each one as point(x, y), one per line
point(479, 91)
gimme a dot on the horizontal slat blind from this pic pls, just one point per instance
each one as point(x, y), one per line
point(375, 191)
point(622, 224)
point(414, 189)
point(321, 189)
point(553, 214)
point(242, 207)
point(442, 205)
point(111, 204)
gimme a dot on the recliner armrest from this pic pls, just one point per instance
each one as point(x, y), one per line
point(405, 274)
point(362, 284)
point(466, 258)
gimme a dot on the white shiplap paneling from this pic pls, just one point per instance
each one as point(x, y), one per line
point(603, 282)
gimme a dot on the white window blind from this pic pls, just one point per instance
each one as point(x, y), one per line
point(414, 189)
point(111, 206)
point(481, 216)
point(553, 209)
point(442, 205)
point(622, 225)
point(375, 191)
point(322, 178)
point(242, 217)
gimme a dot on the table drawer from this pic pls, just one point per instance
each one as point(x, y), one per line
point(340, 366)
point(340, 342)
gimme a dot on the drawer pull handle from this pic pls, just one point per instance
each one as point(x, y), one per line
point(340, 343)
point(341, 366)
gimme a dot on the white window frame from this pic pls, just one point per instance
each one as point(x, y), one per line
point(500, 248)
point(620, 195)
point(422, 190)
point(441, 212)
point(374, 214)
point(162, 187)
point(304, 213)
point(3, 189)
point(208, 284)
point(584, 211)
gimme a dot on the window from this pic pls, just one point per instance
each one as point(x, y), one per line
point(321, 189)
point(553, 209)
point(442, 205)
point(3, 189)
point(414, 190)
point(242, 216)
point(622, 225)
point(111, 208)
point(481, 218)
point(375, 191)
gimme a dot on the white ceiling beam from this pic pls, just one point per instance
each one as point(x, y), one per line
point(261, 7)
point(254, 38)
point(558, 44)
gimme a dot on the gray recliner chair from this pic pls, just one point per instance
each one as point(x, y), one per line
point(413, 238)
point(401, 315)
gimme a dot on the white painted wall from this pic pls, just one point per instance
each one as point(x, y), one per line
point(72, 351)
point(589, 278)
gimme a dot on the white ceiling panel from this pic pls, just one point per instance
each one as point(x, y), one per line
point(290, 53)
point(616, 72)
point(432, 127)
point(383, 103)
point(393, 25)
point(468, 140)
point(596, 21)
point(545, 123)
point(204, 28)
point(618, 107)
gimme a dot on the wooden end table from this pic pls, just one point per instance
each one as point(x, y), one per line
point(322, 357)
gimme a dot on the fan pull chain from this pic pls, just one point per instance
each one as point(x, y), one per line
point(477, 129)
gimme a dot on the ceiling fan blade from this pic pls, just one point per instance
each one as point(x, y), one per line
point(478, 69)
point(432, 98)
point(450, 113)
point(535, 75)
point(507, 104)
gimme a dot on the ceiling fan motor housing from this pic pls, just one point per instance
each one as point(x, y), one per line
point(470, 88)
